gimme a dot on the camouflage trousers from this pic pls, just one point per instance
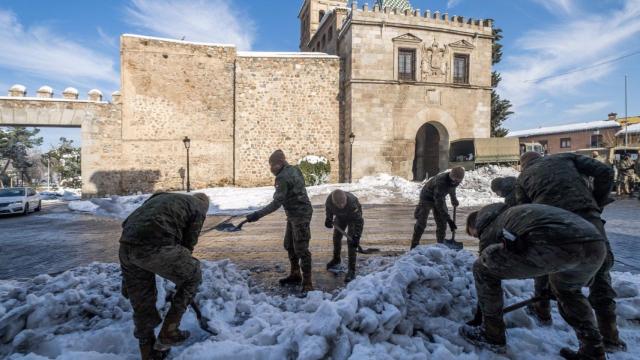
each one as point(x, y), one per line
point(140, 265)
point(601, 293)
point(296, 242)
point(569, 268)
point(422, 215)
point(354, 230)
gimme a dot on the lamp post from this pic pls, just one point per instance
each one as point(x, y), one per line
point(352, 138)
point(187, 145)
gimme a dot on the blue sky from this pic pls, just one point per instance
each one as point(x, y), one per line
point(75, 43)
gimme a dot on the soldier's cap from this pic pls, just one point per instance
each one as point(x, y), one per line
point(202, 197)
point(277, 157)
point(496, 184)
point(457, 173)
point(339, 198)
point(528, 157)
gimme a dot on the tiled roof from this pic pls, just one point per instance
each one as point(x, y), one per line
point(399, 4)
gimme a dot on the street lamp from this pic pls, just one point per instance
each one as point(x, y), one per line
point(187, 145)
point(352, 138)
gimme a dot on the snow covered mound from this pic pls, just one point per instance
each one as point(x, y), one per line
point(411, 309)
point(64, 194)
point(475, 190)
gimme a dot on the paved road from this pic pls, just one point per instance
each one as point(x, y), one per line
point(56, 240)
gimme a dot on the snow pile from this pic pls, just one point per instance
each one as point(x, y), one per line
point(410, 309)
point(64, 194)
point(475, 190)
point(314, 159)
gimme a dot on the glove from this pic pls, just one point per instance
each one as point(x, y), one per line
point(455, 202)
point(253, 217)
point(328, 223)
point(452, 225)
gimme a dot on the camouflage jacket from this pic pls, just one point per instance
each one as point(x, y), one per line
point(535, 224)
point(351, 212)
point(291, 194)
point(165, 219)
point(508, 189)
point(437, 189)
point(560, 180)
point(626, 167)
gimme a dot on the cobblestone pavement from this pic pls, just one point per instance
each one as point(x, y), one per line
point(56, 240)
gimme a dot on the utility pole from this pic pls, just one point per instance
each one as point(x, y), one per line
point(49, 172)
point(626, 114)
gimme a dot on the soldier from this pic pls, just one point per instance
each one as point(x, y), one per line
point(558, 180)
point(505, 188)
point(626, 175)
point(348, 214)
point(158, 238)
point(432, 197)
point(533, 240)
point(292, 195)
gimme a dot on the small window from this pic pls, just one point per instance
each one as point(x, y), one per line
point(596, 141)
point(565, 143)
point(406, 64)
point(330, 33)
point(461, 69)
point(320, 15)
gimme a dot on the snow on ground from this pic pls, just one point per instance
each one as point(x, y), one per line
point(475, 190)
point(64, 194)
point(408, 309)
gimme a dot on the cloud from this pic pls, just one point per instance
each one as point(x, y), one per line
point(541, 56)
point(452, 3)
point(195, 20)
point(587, 108)
point(553, 6)
point(106, 38)
point(40, 52)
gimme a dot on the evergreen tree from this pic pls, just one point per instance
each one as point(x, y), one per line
point(15, 144)
point(500, 108)
point(65, 162)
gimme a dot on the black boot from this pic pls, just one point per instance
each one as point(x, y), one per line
point(584, 353)
point(415, 240)
point(334, 263)
point(610, 336)
point(295, 277)
point(491, 335)
point(352, 264)
point(147, 351)
point(541, 311)
point(170, 334)
point(477, 318)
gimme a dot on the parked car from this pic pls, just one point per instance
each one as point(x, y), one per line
point(17, 200)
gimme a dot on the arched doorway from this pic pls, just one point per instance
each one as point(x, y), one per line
point(427, 156)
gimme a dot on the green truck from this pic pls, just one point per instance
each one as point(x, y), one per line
point(474, 153)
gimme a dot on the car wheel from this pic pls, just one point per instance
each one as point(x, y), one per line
point(26, 209)
point(39, 207)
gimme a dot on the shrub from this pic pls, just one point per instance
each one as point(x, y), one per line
point(315, 169)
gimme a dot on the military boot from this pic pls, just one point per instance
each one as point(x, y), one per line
point(415, 240)
point(307, 284)
point(491, 335)
point(334, 262)
point(295, 277)
point(610, 335)
point(352, 265)
point(170, 334)
point(584, 353)
point(147, 351)
point(541, 311)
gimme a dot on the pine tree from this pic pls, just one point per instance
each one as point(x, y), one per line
point(15, 144)
point(500, 108)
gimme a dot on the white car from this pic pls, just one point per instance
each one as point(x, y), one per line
point(18, 200)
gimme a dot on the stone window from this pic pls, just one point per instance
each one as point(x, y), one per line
point(565, 143)
point(407, 64)
point(460, 68)
point(596, 140)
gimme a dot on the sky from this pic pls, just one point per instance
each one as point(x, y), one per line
point(564, 60)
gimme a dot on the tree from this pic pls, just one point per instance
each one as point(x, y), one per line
point(500, 108)
point(65, 162)
point(15, 144)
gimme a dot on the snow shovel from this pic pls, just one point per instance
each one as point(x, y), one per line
point(477, 320)
point(221, 226)
point(452, 243)
point(360, 249)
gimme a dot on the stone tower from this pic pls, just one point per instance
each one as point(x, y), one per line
point(311, 15)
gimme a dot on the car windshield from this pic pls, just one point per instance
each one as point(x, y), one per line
point(11, 192)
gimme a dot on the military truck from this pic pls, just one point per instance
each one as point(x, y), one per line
point(474, 153)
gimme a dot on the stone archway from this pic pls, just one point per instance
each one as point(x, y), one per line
point(431, 151)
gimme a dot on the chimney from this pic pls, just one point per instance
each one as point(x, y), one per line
point(18, 90)
point(613, 116)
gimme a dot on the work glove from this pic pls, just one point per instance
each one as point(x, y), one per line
point(328, 223)
point(253, 217)
point(455, 202)
point(452, 225)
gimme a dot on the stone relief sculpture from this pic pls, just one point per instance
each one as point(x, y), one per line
point(434, 62)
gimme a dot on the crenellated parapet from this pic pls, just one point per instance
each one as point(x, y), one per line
point(419, 18)
point(68, 94)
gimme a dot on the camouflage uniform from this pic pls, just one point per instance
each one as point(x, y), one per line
point(505, 187)
point(626, 176)
point(432, 197)
point(292, 195)
point(559, 180)
point(348, 219)
point(556, 243)
point(158, 238)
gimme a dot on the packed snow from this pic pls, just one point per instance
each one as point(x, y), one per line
point(64, 194)
point(313, 159)
point(475, 190)
point(583, 126)
point(407, 309)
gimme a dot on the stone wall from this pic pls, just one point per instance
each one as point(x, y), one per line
point(172, 89)
point(287, 102)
